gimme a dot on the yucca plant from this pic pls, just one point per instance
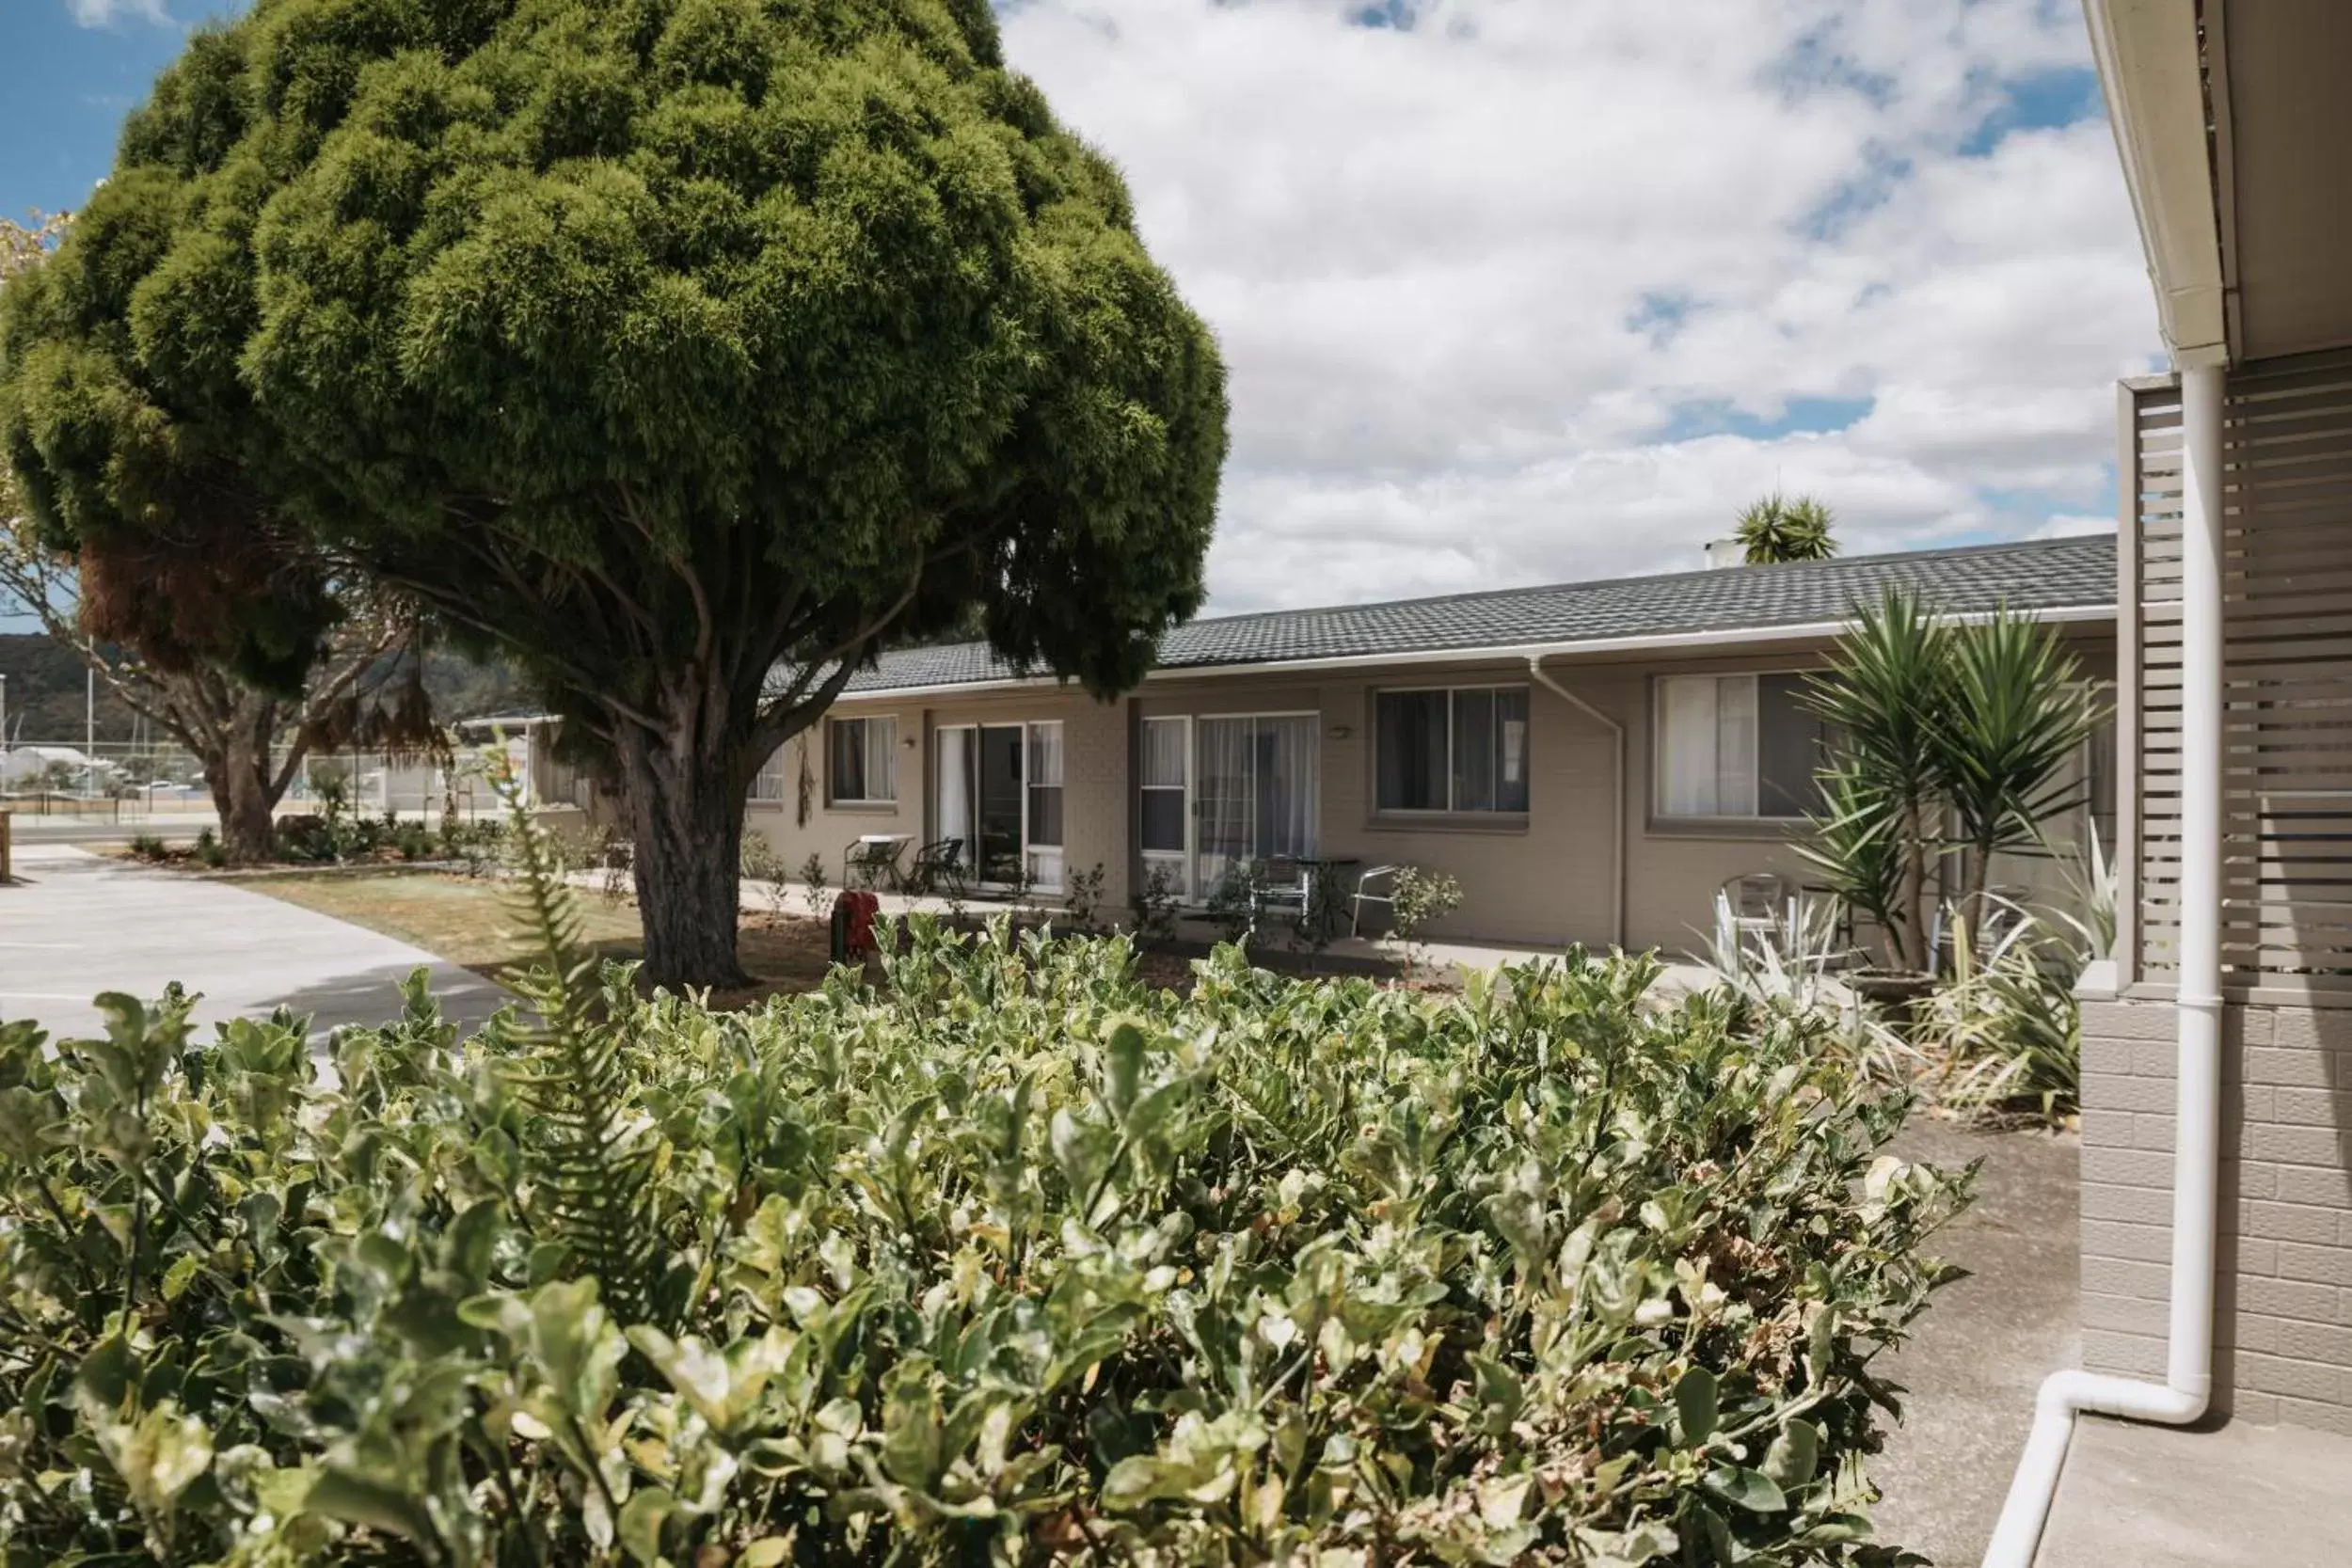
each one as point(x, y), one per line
point(1782, 528)
point(1879, 835)
point(2011, 717)
point(1949, 744)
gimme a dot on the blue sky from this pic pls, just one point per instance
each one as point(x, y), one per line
point(1515, 292)
point(69, 84)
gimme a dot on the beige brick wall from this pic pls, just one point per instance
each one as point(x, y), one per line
point(1095, 757)
point(2283, 1292)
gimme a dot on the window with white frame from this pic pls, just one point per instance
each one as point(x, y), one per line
point(1451, 749)
point(1736, 745)
point(861, 761)
point(768, 784)
point(1164, 780)
point(1042, 774)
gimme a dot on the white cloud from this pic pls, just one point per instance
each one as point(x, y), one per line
point(106, 13)
point(1466, 275)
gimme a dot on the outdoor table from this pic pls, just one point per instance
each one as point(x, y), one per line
point(878, 853)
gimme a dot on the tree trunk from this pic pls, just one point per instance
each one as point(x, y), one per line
point(237, 773)
point(685, 807)
point(245, 789)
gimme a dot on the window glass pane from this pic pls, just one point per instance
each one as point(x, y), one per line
point(1046, 755)
point(1735, 745)
point(955, 754)
point(1044, 784)
point(768, 784)
point(1686, 746)
point(846, 768)
point(1511, 750)
point(1044, 813)
point(1788, 748)
point(1410, 748)
point(881, 759)
point(1164, 752)
point(1162, 818)
point(1284, 797)
point(1477, 749)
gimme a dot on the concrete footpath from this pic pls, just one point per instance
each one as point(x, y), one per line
point(2131, 1495)
point(75, 924)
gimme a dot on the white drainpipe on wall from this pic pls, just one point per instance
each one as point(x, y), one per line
point(1616, 844)
point(2188, 1386)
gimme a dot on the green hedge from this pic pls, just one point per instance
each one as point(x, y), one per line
point(1008, 1261)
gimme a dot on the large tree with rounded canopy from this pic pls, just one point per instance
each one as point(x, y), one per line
point(685, 349)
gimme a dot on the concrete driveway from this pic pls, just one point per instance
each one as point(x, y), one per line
point(75, 924)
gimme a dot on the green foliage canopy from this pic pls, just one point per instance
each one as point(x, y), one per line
point(657, 340)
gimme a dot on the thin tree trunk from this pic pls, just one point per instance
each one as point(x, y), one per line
point(685, 811)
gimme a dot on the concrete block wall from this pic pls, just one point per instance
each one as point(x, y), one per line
point(2283, 1296)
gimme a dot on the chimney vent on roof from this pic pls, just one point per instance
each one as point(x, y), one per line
point(1725, 552)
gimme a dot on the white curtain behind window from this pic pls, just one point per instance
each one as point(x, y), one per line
point(1735, 745)
point(1287, 795)
point(1224, 746)
point(881, 759)
point(1686, 750)
point(1163, 754)
point(955, 789)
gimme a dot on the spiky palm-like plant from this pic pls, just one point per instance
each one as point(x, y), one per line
point(1781, 528)
point(2015, 715)
point(1881, 695)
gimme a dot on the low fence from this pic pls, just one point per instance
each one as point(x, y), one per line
point(137, 783)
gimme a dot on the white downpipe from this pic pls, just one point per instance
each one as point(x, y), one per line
point(1617, 843)
point(2188, 1386)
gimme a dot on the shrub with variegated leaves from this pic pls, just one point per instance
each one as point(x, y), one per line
point(1008, 1259)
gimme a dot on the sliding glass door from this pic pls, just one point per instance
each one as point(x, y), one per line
point(1256, 779)
point(998, 794)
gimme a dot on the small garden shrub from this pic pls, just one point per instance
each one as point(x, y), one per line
point(1082, 903)
point(814, 892)
point(1233, 906)
point(2003, 1026)
point(148, 846)
point(210, 851)
point(763, 862)
point(1423, 898)
point(1011, 1261)
point(1154, 908)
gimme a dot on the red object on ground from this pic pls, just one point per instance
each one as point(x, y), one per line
point(863, 909)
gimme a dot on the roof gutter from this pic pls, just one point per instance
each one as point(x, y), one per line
point(1671, 642)
point(2152, 71)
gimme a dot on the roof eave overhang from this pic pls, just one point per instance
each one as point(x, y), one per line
point(2153, 74)
point(1660, 643)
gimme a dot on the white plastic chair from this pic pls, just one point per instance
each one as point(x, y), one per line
point(1356, 918)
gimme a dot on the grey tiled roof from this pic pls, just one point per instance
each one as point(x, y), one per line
point(2042, 574)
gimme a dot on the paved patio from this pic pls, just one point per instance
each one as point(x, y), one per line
point(75, 924)
point(2241, 1496)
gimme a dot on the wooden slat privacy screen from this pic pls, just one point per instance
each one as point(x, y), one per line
point(2286, 580)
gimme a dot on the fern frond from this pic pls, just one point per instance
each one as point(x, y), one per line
point(591, 1152)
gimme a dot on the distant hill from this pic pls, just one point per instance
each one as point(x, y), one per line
point(45, 691)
